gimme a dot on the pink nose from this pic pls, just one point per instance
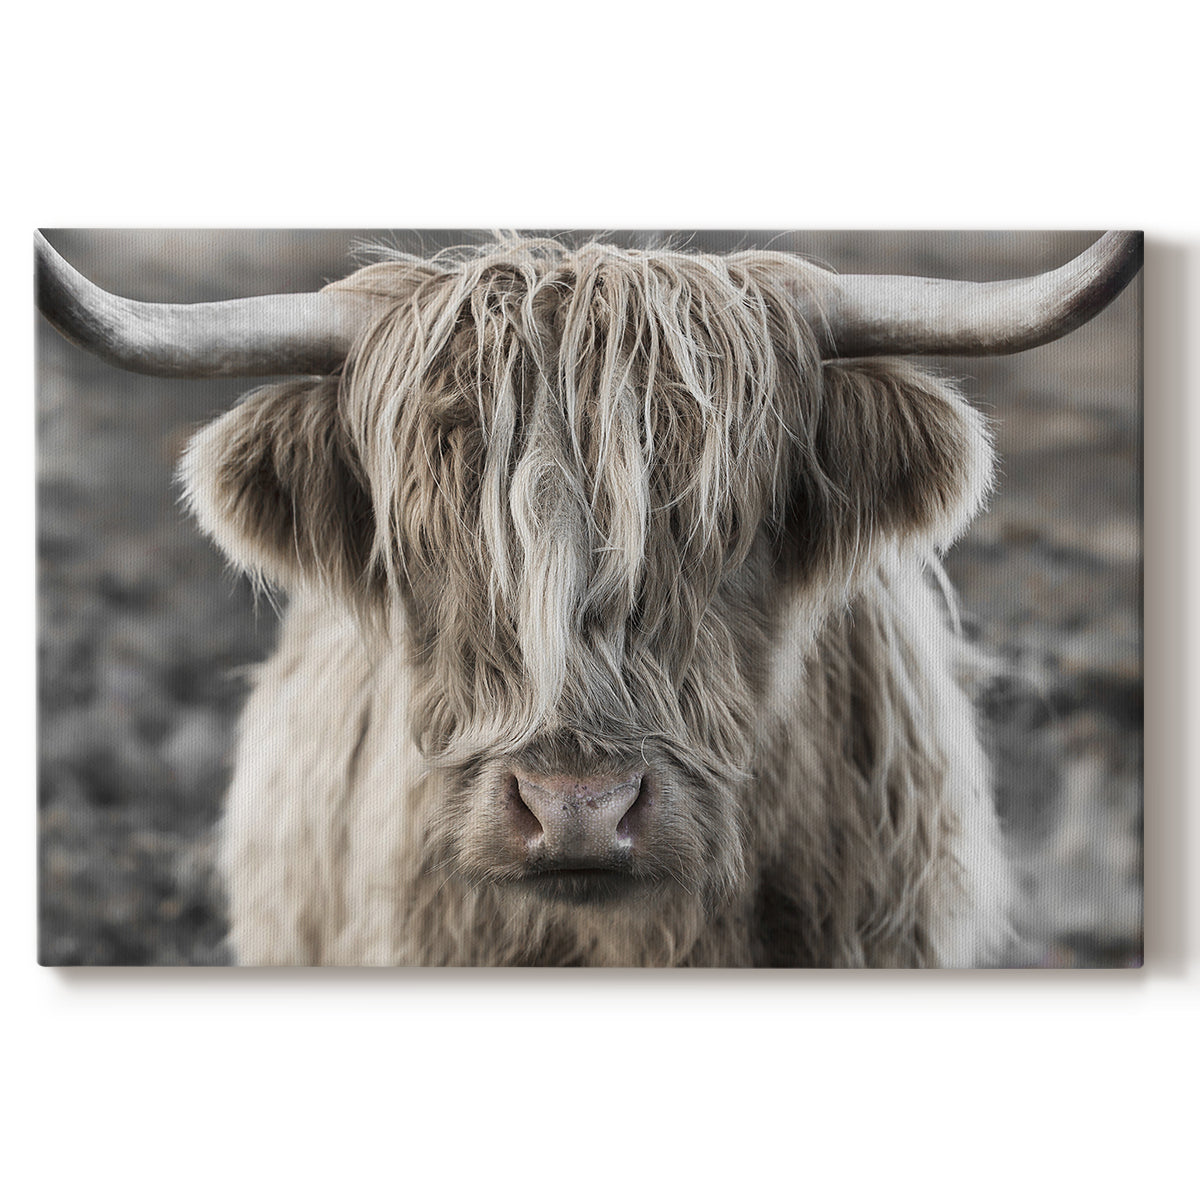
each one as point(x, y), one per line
point(577, 822)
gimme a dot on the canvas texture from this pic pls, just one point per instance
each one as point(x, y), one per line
point(584, 609)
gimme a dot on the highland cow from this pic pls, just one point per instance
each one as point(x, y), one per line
point(613, 634)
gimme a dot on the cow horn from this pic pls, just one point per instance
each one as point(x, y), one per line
point(905, 314)
point(302, 334)
point(311, 332)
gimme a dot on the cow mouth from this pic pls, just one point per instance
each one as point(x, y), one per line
point(581, 885)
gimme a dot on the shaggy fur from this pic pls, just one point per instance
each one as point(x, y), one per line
point(572, 509)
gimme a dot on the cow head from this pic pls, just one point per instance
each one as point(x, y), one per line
point(586, 493)
point(578, 491)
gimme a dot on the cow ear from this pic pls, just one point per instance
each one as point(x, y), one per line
point(274, 482)
point(894, 455)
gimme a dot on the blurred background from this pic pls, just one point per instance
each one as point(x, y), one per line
point(144, 634)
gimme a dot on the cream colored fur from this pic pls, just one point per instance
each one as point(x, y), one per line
point(589, 506)
point(326, 850)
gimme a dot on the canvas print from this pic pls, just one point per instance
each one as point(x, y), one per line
point(623, 599)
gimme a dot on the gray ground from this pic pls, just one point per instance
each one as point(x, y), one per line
point(143, 631)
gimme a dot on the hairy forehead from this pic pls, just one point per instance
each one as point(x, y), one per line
point(569, 440)
point(601, 382)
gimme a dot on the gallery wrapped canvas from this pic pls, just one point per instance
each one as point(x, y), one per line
point(716, 599)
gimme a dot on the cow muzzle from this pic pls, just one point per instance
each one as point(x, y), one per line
point(575, 830)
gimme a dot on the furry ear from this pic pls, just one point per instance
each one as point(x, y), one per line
point(893, 454)
point(274, 483)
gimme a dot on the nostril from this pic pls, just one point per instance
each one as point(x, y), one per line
point(526, 825)
point(629, 827)
point(584, 820)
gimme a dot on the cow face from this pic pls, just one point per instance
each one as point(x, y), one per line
point(580, 491)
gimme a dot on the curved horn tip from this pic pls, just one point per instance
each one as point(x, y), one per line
point(901, 314)
point(1132, 244)
point(303, 334)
